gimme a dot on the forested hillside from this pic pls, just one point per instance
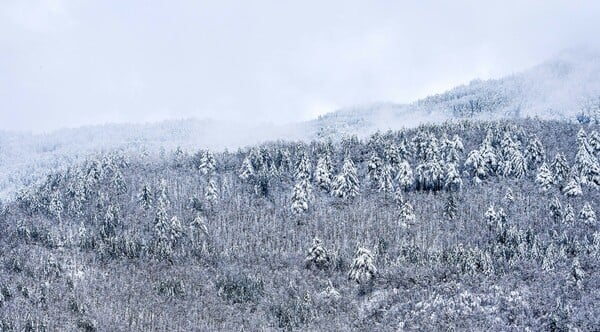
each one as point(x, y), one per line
point(466, 225)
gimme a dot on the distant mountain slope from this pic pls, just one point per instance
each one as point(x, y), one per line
point(564, 88)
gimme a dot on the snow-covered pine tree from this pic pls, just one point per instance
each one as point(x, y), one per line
point(594, 141)
point(407, 214)
point(374, 170)
point(162, 195)
point(488, 155)
point(405, 175)
point(246, 170)
point(586, 165)
point(317, 256)
point(300, 198)
point(175, 230)
point(476, 163)
point(323, 172)
point(145, 197)
point(577, 274)
point(212, 193)
point(392, 154)
point(519, 164)
point(208, 163)
point(491, 217)
point(450, 207)
point(385, 179)
point(453, 180)
point(457, 149)
point(573, 188)
point(560, 170)
point(55, 207)
point(569, 215)
point(346, 184)
point(587, 215)
point(535, 152)
point(556, 209)
point(544, 177)
point(303, 167)
point(162, 233)
point(284, 161)
point(362, 269)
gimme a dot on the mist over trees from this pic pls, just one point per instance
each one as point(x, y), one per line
point(467, 225)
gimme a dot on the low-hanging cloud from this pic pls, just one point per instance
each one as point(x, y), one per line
point(66, 63)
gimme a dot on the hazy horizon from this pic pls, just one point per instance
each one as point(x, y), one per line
point(66, 64)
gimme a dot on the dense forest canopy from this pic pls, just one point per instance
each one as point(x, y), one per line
point(470, 224)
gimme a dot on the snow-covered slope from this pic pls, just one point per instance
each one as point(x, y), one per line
point(561, 88)
point(565, 87)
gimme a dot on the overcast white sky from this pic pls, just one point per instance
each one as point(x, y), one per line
point(66, 63)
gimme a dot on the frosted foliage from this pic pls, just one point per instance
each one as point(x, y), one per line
point(587, 215)
point(345, 184)
point(317, 256)
point(212, 193)
point(560, 169)
point(544, 177)
point(405, 175)
point(586, 164)
point(453, 179)
point(385, 180)
point(363, 268)
point(207, 163)
point(145, 197)
point(300, 198)
point(323, 172)
point(573, 188)
point(569, 214)
point(246, 170)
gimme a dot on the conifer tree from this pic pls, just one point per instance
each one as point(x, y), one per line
point(146, 198)
point(569, 215)
point(586, 165)
point(560, 170)
point(303, 167)
point(535, 153)
point(556, 209)
point(453, 180)
point(323, 172)
point(207, 163)
point(212, 193)
point(299, 198)
point(407, 214)
point(405, 175)
point(573, 188)
point(587, 215)
point(346, 184)
point(594, 141)
point(362, 269)
point(317, 256)
point(385, 180)
point(477, 165)
point(374, 170)
point(544, 177)
point(450, 208)
point(577, 274)
point(247, 170)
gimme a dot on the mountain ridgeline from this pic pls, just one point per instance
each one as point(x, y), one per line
point(469, 225)
point(566, 87)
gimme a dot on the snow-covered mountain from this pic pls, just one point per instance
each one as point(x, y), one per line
point(564, 87)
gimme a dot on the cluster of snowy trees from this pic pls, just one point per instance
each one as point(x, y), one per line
point(292, 227)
